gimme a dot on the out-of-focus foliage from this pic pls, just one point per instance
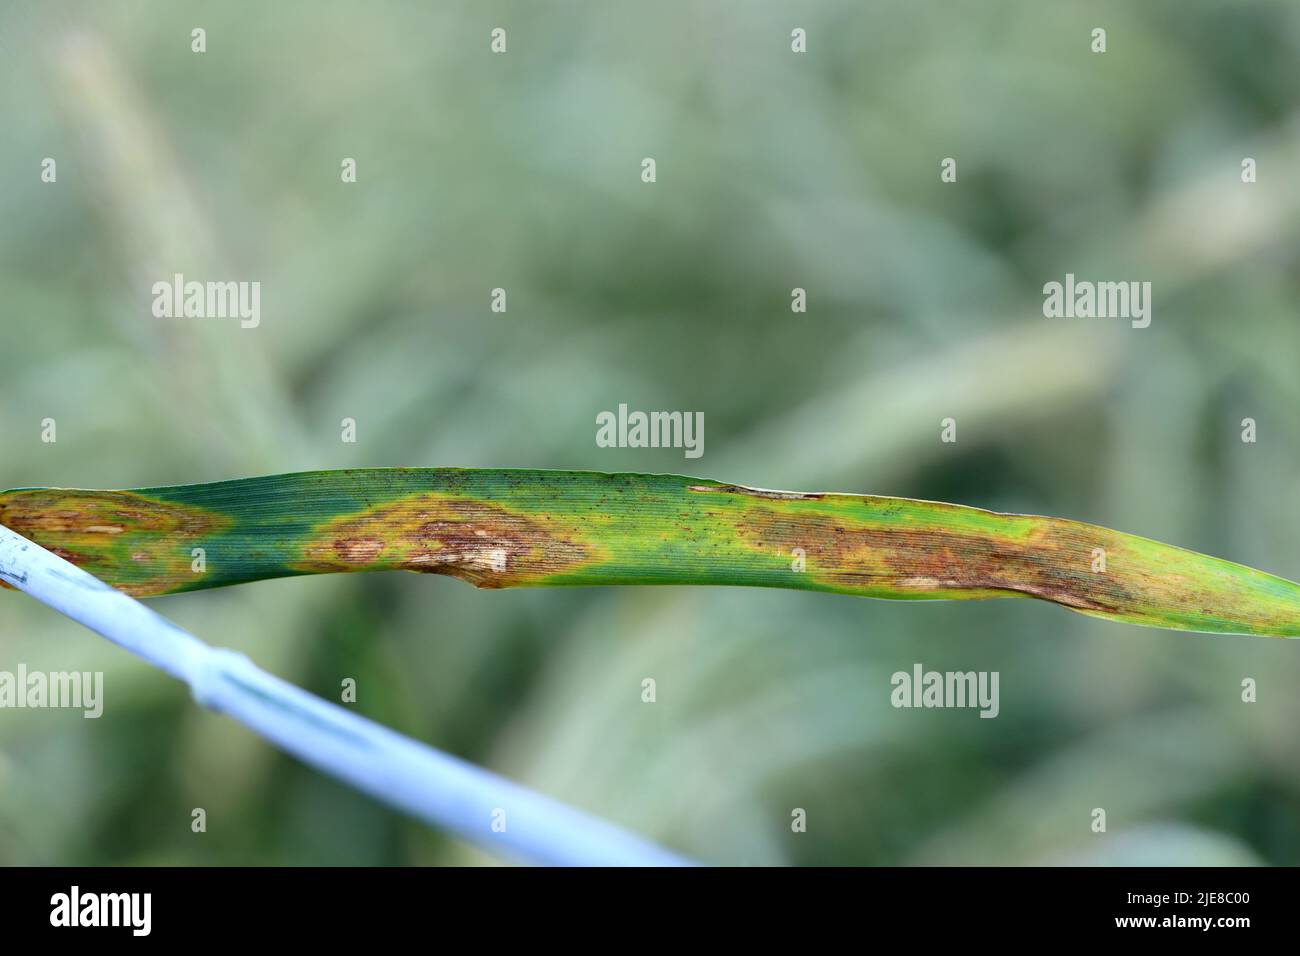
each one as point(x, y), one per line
point(775, 170)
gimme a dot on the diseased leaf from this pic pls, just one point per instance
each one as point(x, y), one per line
point(507, 528)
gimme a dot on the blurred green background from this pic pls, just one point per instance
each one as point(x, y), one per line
point(775, 170)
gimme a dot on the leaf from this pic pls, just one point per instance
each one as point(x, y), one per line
point(507, 528)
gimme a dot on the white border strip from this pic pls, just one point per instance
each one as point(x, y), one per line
point(435, 787)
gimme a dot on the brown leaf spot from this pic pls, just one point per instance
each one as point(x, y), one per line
point(486, 544)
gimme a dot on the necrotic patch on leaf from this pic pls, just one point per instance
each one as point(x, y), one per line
point(136, 543)
point(486, 544)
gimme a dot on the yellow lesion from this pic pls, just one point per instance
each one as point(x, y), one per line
point(487, 544)
point(950, 553)
point(137, 544)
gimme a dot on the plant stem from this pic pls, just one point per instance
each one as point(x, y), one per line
point(485, 809)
